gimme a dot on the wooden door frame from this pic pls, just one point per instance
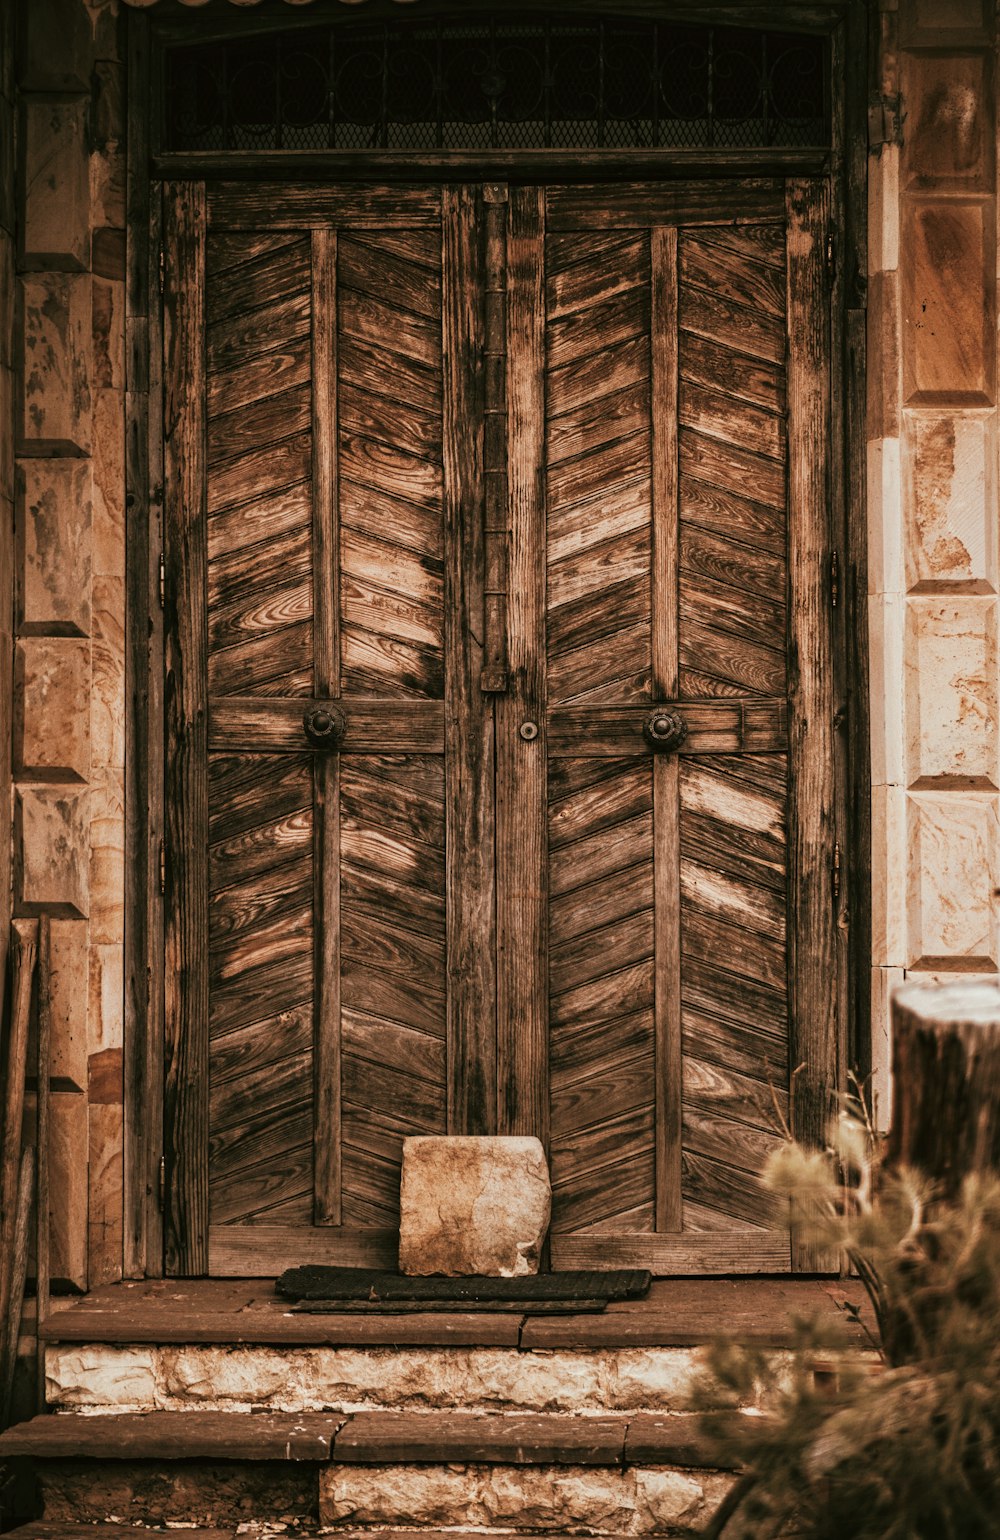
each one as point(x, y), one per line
point(850, 28)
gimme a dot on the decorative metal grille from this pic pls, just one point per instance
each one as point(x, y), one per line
point(516, 82)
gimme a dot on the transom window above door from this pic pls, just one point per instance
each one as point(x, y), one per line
point(515, 81)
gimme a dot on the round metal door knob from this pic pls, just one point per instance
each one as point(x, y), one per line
point(528, 731)
point(664, 730)
point(325, 727)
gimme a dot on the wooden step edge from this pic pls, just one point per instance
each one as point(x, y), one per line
point(188, 1435)
point(68, 1531)
point(40, 1530)
point(368, 1438)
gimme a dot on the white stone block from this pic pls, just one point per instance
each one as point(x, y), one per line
point(951, 908)
point(951, 691)
point(889, 863)
point(950, 500)
point(884, 981)
point(886, 620)
point(885, 519)
point(473, 1206)
point(883, 211)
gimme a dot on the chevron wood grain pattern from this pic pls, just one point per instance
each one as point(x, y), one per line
point(732, 461)
point(393, 972)
point(598, 468)
point(390, 455)
point(601, 980)
point(259, 441)
point(734, 992)
point(260, 946)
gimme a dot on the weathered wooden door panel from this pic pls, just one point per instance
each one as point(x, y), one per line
point(494, 474)
point(306, 515)
point(677, 535)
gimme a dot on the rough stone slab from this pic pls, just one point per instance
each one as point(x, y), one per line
point(307, 1436)
point(411, 1437)
point(231, 1378)
point(550, 1498)
point(473, 1206)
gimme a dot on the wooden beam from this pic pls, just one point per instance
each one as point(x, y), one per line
point(813, 944)
point(534, 166)
point(522, 901)
point(186, 812)
point(326, 767)
point(469, 729)
point(143, 973)
point(666, 767)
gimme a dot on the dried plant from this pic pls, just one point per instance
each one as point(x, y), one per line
point(902, 1443)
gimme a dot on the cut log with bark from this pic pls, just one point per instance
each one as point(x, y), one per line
point(946, 1081)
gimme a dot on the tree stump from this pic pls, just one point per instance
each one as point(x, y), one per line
point(946, 1081)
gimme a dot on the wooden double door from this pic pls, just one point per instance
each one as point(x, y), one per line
point(499, 696)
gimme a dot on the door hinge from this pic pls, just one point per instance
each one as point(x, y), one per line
point(885, 120)
point(163, 867)
point(834, 579)
point(161, 1188)
point(836, 872)
point(831, 256)
point(162, 580)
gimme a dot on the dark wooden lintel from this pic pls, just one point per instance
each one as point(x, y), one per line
point(526, 165)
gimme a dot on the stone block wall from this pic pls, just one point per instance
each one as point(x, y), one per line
point(69, 569)
point(932, 502)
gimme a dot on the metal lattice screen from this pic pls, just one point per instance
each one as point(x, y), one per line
point(516, 82)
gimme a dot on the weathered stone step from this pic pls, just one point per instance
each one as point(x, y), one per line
point(615, 1475)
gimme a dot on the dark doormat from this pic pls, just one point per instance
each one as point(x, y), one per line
point(355, 1289)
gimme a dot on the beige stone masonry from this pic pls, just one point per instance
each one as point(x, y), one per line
point(55, 329)
point(932, 508)
point(52, 835)
point(70, 612)
point(54, 520)
point(949, 495)
point(52, 710)
point(630, 1501)
point(140, 1378)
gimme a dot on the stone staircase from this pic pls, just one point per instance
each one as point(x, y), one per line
point(213, 1405)
point(585, 1473)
